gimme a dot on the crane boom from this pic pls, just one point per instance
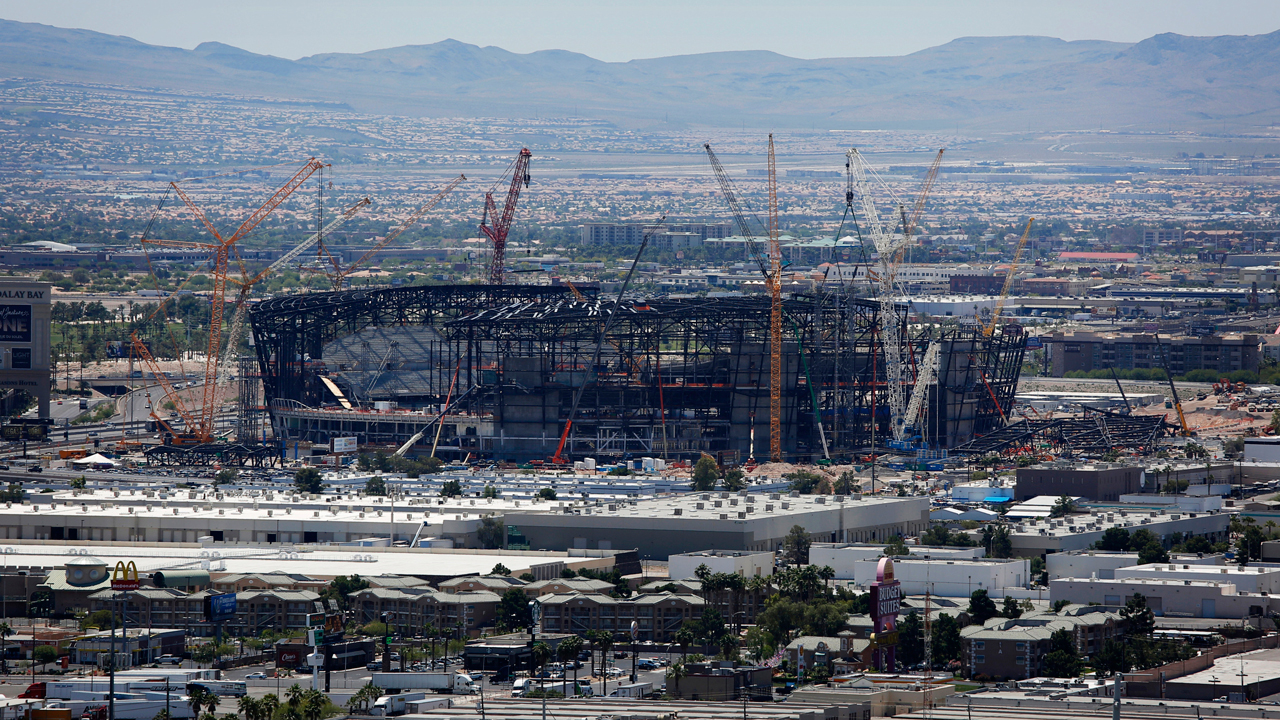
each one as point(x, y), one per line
point(1008, 281)
point(1177, 403)
point(201, 427)
point(736, 208)
point(502, 225)
point(341, 275)
point(236, 329)
point(925, 376)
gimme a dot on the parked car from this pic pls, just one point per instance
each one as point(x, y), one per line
point(35, 468)
point(256, 676)
point(169, 660)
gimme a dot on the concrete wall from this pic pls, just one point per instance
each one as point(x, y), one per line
point(951, 578)
point(1087, 564)
point(1181, 598)
point(684, 565)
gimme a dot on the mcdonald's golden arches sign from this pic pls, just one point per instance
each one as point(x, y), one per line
point(125, 576)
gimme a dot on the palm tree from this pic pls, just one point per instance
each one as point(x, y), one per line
point(249, 707)
point(268, 705)
point(592, 636)
point(604, 641)
point(313, 705)
point(5, 633)
point(199, 698)
point(685, 637)
point(674, 673)
point(568, 651)
point(430, 631)
point(540, 654)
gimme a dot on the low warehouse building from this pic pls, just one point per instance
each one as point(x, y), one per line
point(663, 527)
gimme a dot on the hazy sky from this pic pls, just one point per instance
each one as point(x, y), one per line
point(618, 31)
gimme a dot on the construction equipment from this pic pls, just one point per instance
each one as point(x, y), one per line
point(1128, 409)
point(1184, 429)
point(774, 283)
point(891, 324)
point(1008, 281)
point(502, 225)
point(558, 458)
point(236, 329)
point(339, 276)
point(926, 375)
point(199, 428)
point(772, 272)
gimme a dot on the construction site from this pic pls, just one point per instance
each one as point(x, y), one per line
point(558, 373)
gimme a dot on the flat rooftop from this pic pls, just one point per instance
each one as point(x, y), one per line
point(1257, 666)
point(319, 563)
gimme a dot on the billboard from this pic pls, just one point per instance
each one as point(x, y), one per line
point(343, 445)
point(15, 323)
point(886, 603)
point(218, 608)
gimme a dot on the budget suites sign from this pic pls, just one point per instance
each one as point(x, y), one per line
point(886, 603)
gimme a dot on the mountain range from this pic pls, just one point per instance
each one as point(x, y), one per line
point(992, 84)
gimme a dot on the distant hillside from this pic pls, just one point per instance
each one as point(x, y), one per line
point(991, 84)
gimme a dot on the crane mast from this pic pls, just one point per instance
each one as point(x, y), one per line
point(502, 225)
point(771, 269)
point(891, 324)
point(1008, 281)
point(201, 426)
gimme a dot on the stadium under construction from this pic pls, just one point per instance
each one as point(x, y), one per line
point(674, 378)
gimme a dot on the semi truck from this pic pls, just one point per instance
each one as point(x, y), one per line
point(128, 706)
point(443, 683)
point(633, 690)
point(524, 686)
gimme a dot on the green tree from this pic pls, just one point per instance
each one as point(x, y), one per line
point(44, 654)
point(911, 640)
point(547, 493)
point(1140, 621)
point(226, 476)
point(803, 481)
point(567, 652)
point(79, 483)
point(513, 611)
point(1115, 539)
point(795, 546)
point(1062, 507)
point(342, 587)
point(451, 488)
point(490, 491)
point(996, 540)
point(705, 474)
point(375, 486)
point(1063, 660)
point(492, 533)
point(1112, 658)
point(734, 480)
point(308, 480)
point(981, 607)
point(897, 547)
point(1011, 609)
point(946, 639)
point(847, 483)
point(500, 569)
point(100, 619)
point(1153, 553)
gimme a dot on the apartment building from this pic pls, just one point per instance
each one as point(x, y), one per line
point(633, 233)
point(420, 607)
point(1016, 648)
point(1072, 351)
point(657, 615)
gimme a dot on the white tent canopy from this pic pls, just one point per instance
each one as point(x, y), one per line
point(95, 460)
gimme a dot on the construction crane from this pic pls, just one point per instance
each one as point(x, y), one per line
point(1008, 281)
point(892, 327)
point(774, 283)
point(199, 427)
point(926, 375)
point(1128, 409)
point(1184, 429)
point(502, 224)
point(236, 329)
point(771, 269)
point(340, 275)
